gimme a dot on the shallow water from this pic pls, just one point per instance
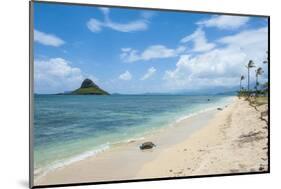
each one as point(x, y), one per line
point(68, 128)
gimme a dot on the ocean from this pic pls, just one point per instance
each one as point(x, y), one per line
point(68, 128)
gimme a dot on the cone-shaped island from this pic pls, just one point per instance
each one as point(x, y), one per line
point(88, 87)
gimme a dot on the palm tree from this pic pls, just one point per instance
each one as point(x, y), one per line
point(250, 65)
point(241, 78)
point(259, 71)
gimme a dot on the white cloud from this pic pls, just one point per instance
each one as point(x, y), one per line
point(57, 75)
point(150, 72)
point(220, 67)
point(105, 10)
point(200, 42)
point(147, 14)
point(225, 22)
point(47, 39)
point(95, 25)
point(247, 39)
point(137, 25)
point(152, 52)
point(126, 76)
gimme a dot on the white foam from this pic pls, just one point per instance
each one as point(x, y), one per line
point(59, 164)
point(134, 139)
point(193, 114)
point(40, 172)
point(224, 102)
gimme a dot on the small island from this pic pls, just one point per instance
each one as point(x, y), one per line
point(88, 87)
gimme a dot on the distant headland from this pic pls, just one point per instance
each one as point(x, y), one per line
point(88, 87)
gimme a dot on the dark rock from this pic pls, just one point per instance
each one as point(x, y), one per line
point(208, 99)
point(147, 145)
point(88, 83)
point(219, 109)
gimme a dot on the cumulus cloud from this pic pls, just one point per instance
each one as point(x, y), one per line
point(125, 76)
point(57, 75)
point(220, 66)
point(47, 39)
point(95, 25)
point(148, 14)
point(152, 52)
point(247, 40)
point(150, 72)
point(225, 22)
point(200, 42)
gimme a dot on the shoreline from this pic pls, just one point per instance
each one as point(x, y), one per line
point(126, 161)
point(234, 141)
point(40, 172)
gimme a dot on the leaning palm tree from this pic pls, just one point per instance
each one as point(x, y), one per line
point(241, 78)
point(259, 71)
point(250, 65)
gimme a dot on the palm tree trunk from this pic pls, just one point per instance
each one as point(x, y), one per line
point(248, 79)
point(240, 84)
point(256, 82)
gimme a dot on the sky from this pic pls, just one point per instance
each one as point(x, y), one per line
point(134, 51)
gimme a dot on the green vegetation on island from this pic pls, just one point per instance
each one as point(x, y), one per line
point(88, 87)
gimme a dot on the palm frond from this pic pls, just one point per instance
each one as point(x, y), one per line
point(251, 64)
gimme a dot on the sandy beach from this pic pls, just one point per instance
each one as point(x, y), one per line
point(230, 140)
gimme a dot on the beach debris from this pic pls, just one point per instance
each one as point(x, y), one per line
point(264, 113)
point(261, 168)
point(147, 145)
point(179, 172)
point(251, 136)
point(219, 109)
point(264, 116)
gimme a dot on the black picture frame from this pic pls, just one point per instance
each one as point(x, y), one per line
point(31, 90)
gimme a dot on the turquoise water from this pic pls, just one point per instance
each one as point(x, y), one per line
point(68, 128)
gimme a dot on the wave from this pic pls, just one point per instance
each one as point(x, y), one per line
point(40, 172)
point(214, 106)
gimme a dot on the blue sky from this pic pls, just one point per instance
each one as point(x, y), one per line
point(138, 51)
